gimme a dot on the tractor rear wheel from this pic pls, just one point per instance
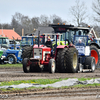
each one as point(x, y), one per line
point(61, 60)
point(27, 52)
point(95, 54)
point(26, 67)
point(52, 66)
point(72, 60)
point(90, 63)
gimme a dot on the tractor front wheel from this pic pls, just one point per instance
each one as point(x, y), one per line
point(90, 63)
point(12, 59)
point(80, 67)
point(26, 66)
point(52, 66)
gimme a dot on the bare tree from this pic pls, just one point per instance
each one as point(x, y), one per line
point(96, 9)
point(44, 20)
point(79, 12)
point(56, 19)
point(29, 25)
point(35, 22)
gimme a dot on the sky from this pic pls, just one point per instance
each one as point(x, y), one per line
point(36, 8)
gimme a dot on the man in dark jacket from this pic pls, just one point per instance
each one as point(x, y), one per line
point(48, 43)
point(80, 43)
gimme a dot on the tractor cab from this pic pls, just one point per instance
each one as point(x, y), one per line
point(31, 40)
point(65, 36)
point(28, 40)
point(85, 61)
point(4, 42)
point(81, 44)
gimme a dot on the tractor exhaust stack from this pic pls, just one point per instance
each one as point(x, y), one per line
point(38, 38)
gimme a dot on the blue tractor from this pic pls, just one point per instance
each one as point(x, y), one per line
point(11, 54)
point(68, 35)
point(85, 61)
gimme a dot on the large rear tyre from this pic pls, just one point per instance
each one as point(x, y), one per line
point(90, 63)
point(61, 60)
point(27, 52)
point(72, 60)
point(52, 66)
point(26, 67)
point(95, 54)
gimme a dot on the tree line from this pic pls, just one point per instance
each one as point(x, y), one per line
point(29, 25)
point(78, 11)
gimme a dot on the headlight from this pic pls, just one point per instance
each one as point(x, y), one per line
point(19, 54)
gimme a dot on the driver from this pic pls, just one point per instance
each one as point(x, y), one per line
point(48, 43)
point(80, 43)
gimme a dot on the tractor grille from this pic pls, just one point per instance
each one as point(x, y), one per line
point(38, 53)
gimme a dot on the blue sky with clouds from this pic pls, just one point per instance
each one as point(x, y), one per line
point(34, 8)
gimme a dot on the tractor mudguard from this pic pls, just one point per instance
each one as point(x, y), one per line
point(62, 46)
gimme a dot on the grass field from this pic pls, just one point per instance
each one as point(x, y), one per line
point(10, 65)
point(38, 81)
point(45, 81)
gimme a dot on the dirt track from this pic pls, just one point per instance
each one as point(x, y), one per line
point(8, 74)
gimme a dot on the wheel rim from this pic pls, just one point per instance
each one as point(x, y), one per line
point(10, 60)
point(75, 60)
point(53, 66)
point(93, 65)
point(28, 68)
point(95, 55)
point(80, 68)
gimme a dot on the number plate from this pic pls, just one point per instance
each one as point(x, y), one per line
point(37, 57)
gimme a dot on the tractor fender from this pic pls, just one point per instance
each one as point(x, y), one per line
point(95, 44)
point(62, 46)
point(36, 46)
point(59, 48)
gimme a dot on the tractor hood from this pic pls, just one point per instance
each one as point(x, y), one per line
point(36, 46)
point(12, 51)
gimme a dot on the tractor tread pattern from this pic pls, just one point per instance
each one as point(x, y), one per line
point(27, 52)
point(69, 57)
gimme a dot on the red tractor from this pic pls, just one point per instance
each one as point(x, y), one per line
point(63, 59)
